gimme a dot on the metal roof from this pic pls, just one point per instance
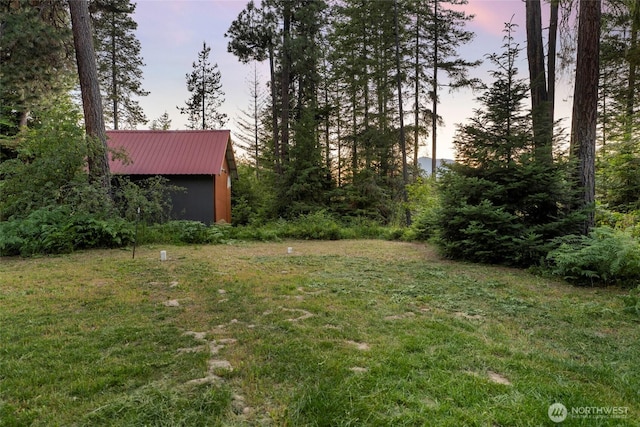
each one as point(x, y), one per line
point(172, 152)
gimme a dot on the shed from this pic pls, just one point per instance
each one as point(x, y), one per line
point(201, 161)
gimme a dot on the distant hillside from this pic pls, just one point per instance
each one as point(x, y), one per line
point(425, 164)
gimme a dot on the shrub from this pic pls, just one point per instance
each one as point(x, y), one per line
point(184, 232)
point(632, 301)
point(151, 195)
point(606, 256)
point(58, 230)
point(423, 203)
point(89, 232)
point(49, 168)
point(314, 226)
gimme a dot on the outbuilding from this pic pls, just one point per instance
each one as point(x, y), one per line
point(201, 161)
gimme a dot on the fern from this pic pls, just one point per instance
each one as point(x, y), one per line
point(632, 301)
point(606, 256)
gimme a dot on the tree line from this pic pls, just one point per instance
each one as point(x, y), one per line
point(353, 93)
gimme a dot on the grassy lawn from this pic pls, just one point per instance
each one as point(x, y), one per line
point(344, 333)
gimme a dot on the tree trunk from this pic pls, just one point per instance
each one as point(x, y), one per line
point(114, 71)
point(403, 146)
point(274, 110)
point(539, 96)
point(416, 100)
point(585, 106)
point(551, 61)
point(434, 112)
point(632, 57)
point(286, 80)
point(204, 95)
point(97, 160)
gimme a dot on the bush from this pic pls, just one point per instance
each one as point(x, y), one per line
point(58, 230)
point(503, 215)
point(88, 232)
point(606, 256)
point(628, 222)
point(49, 168)
point(184, 232)
point(314, 226)
point(423, 203)
point(632, 301)
point(152, 196)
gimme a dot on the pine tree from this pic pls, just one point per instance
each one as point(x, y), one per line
point(119, 61)
point(204, 84)
point(249, 122)
point(35, 66)
point(161, 123)
point(97, 161)
point(494, 199)
point(585, 102)
point(304, 184)
point(437, 32)
point(541, 103)
point(253, 38)
point(619, 155)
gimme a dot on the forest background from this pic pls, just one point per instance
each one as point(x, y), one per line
point(354, 90)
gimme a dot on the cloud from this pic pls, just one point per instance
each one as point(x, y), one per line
point(491, 15)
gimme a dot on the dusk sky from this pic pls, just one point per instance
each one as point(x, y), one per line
point(172, 31)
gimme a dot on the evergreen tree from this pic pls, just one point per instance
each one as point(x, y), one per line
point(252, 132)
point(97, 158)
point(206, 98)
point(35, 64)
point(119, 61)
point(253, 38)
point(541, 104)
point(585, 103)
point(304, 184)
point(493, 200)
point(437, 32)
point(619, 166)
point(161, 123)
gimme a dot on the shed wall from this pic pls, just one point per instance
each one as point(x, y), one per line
point(223, 195)
point(197, 203)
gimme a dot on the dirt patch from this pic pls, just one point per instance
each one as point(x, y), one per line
point(362, 346)
point(467, 316)
point(305, 314)
point(494, 377)
point(406, 315)
point(497, 378)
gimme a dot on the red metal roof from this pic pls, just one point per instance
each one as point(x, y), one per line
point(173, 152)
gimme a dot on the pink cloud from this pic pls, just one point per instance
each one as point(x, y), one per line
point(491, 15)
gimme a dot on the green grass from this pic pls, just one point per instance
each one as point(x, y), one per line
point(366, 333)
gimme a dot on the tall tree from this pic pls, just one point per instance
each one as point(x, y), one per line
point(249, 122)
point(438, 34)
point(304, 182)
point(161, 123)
point(119, 61)
point(253, 38)
point(585, 106)
point(403, 148)
point(98, 162)
point(618, 171)
point(35, 64)
point(204, 84)
point(491, 198)
point(541, 104)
